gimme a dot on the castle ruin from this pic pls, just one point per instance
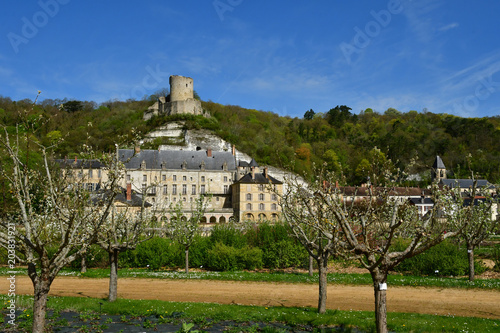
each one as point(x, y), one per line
point(180, 101)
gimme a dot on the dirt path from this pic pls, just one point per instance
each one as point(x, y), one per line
point(457, 302)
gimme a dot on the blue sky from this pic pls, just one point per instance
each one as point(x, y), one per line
point(285, 57)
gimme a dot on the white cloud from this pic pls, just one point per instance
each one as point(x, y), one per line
point(449, 26)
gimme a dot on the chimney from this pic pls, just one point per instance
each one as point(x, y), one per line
point(253, 172)
point(75, 159)
point(265, 173)
point(137, 149)
point(209, 152)
point(234, 150)
point(129, 192)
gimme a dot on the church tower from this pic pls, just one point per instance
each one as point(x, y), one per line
point(438, 171)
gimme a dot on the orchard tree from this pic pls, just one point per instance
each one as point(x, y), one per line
point(477, 214)
point(313, 225)
point(130, 223)
point(56, 217)
point(373, 223)
point(185, 224)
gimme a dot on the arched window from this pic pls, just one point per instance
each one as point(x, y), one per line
point(249, 206)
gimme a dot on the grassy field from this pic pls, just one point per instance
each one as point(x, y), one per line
point(97, 315)
point(280, 276)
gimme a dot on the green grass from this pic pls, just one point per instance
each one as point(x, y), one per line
point(197, 312)
point(279, 276)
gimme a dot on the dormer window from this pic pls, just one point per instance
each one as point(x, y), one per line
point(143, 165)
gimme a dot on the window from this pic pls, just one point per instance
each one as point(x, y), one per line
point(99, 174)
point(202, 189)
point(184, 189)
point(274, 197)
point(165, 189)
point(184, 178)
point(174, 178)
point(262, 206)
point(164, 177)
point(144, 178)
point(274, 207)
point(225, 178)
point(226, 189)
point(261, 187)
point(90, 173)
point(249, 206)
point(174, 189)
point(152, 190)
point(249, 196)
point(202, 178)
point(261, 196)
point(193, 189)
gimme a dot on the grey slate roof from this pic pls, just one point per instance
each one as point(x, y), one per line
point(421, 201)
point(136, 199)
point(252, 163)
point(258, 179)
point(438, 163)
point(466, 183)
point(174, 159)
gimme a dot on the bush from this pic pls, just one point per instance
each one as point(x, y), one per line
point(227, 258)
point(444, 259)
point(228, 234)
point(280, 250)
point(96, 257)
point(157, 252)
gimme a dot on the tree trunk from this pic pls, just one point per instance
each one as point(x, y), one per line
point(470, 254)
point(311, 265)
point(41, 292)
point(187, 260)
point(323, 270)
point(84, 264)
point(380, 289)
point(113, 275)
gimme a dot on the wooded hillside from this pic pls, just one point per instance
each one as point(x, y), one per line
point(339, 137)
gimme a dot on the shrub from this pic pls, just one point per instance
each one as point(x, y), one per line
point(227, 258)
point(157, 252)
point(444, 259)
point(228, 234)
point(280, 250)
point(96, 257)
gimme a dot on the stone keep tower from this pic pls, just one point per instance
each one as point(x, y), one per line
point(181, 88)
point(181, 99)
